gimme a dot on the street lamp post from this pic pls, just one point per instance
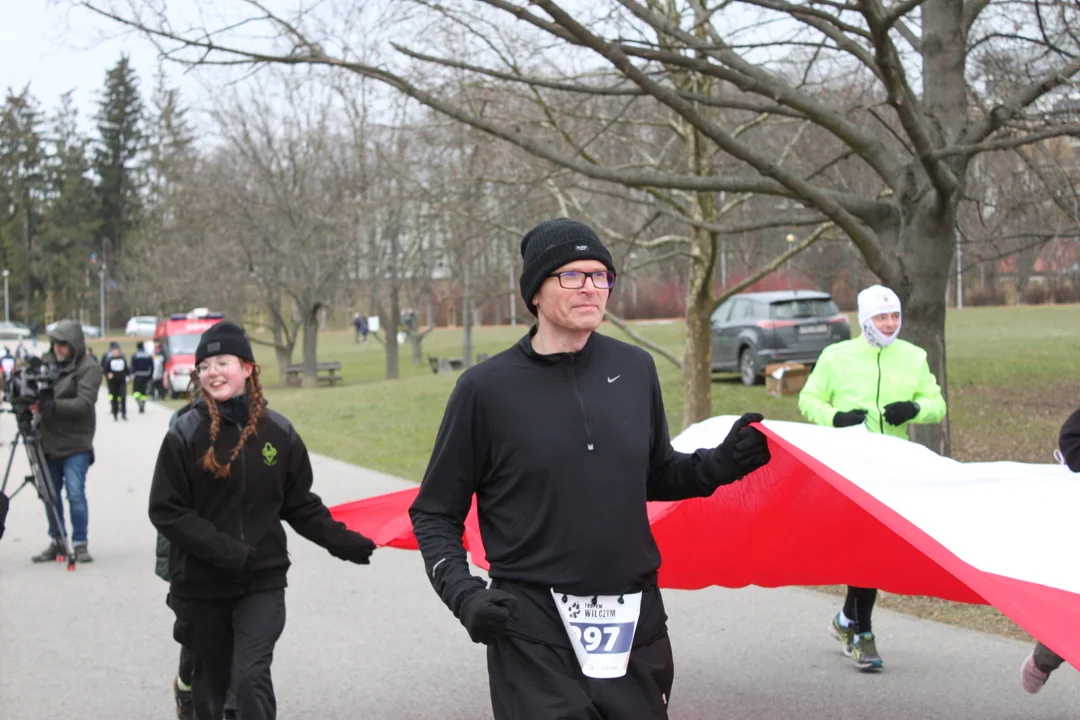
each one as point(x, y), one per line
point(101, 298)
point(787, 265)
point(7, 307)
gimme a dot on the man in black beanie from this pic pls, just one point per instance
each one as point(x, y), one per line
point(562, 439)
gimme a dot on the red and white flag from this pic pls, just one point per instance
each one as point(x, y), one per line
point(846, 506)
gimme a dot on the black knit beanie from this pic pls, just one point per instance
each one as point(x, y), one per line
point(225, 338)
point(552, 244)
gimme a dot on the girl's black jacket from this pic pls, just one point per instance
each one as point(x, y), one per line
point(226, 537)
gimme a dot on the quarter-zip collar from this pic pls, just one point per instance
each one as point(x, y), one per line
point(580, 359)
point(575, 364)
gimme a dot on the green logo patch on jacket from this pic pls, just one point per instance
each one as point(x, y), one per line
point(269, 453)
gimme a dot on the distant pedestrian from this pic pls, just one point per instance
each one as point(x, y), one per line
point(7, 361)
point(360, 328)
point(142, 370)
point(117, 373)
point(157, 383)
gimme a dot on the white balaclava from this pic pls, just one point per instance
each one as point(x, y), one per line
point(877, 300)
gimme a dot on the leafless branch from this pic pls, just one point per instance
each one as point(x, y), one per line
point(1010, 143)
point(641, 339)
point(774, 265)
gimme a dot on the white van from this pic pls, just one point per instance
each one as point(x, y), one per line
point(141, 326)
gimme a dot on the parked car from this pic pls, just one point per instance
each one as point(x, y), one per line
point(752, 330)
point(141, 326)
point(13, 331)
point(90, 331)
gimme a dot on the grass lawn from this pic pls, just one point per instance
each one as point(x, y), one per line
point(1013, 379)
point(1012, 372)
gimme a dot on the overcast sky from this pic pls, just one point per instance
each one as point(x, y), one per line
point(56, 49)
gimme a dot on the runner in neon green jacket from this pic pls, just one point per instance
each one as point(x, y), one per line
point(855, 375)
point(885, 383)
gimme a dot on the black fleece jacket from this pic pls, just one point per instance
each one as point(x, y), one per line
point(226, 537)
point(1069, 442)
point(562, 452)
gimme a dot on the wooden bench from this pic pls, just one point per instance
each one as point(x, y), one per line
point(326, 372)
point(445, 364)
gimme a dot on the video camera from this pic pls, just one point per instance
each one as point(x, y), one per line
point(31, 381)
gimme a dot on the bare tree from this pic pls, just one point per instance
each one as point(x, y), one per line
point(289, 192)
point(942, 95)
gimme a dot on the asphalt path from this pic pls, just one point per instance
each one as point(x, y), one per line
point(375, 643)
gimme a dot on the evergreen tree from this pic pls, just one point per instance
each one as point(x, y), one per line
point(22, 192)
point(170, 152)
point(116, 154)
point(71, 219)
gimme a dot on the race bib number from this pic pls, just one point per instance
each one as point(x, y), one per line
point(601, 632)
point(117, 365)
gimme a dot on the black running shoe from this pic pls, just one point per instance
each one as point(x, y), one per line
point(185, 710)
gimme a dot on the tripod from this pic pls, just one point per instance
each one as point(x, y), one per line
point(40, 478)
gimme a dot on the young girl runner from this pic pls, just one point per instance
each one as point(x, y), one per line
point(227, 474)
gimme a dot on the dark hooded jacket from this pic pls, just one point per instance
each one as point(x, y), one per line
point(68, 419)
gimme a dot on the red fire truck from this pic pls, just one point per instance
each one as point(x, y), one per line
point(178, 336)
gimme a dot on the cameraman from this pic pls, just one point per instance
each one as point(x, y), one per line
point(68, 419)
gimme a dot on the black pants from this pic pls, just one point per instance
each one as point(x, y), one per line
point(234, 640)
point(186, 671)
point(1046, 659)
point(139, 387)
point(531, 681)
point(858, 607)
point(118, 397)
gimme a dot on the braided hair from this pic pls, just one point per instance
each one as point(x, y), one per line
point(253, 387)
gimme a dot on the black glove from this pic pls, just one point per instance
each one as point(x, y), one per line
point(898, 413)
point(359, 550)
point(485, 612)
point(849, 418)
point(743, 451)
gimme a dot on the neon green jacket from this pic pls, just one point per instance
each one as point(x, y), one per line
point(854, 374)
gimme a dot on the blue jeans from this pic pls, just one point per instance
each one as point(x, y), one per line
point(71, 471)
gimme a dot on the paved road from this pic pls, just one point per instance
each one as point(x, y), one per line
point(375, 643)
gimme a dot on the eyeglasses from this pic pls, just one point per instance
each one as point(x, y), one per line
point(575, 279)
point(221, 363)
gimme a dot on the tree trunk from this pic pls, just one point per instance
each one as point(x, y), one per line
point(467, 313)
point(697, 354)
point(311, 343)
point(927, 245)
point(282, 352)
point(417, 342)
